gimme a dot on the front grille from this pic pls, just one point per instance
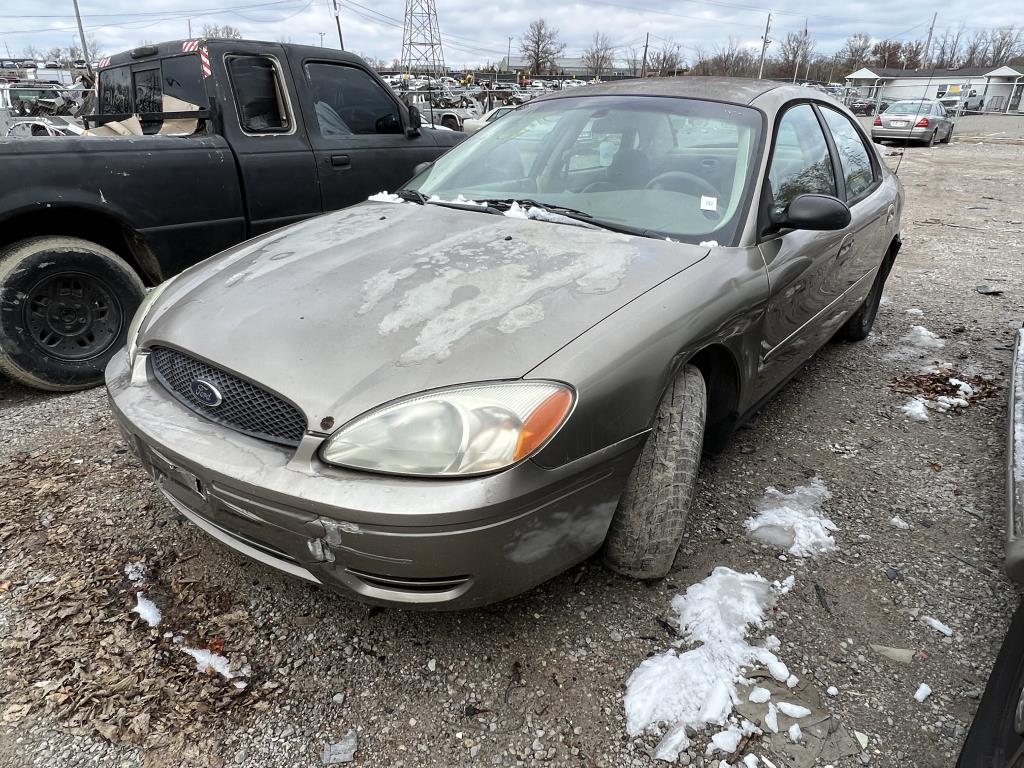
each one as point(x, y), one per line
point(244, 407)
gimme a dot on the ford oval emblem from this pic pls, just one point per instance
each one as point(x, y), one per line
point(205, 393)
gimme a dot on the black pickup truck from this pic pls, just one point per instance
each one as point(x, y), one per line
point(237, 138)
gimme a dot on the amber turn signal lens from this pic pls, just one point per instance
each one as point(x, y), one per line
point(543, 422)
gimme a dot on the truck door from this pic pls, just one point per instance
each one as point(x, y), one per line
point(356, 130)
point(276, 165)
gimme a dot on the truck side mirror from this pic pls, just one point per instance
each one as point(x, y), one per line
point(415, 121)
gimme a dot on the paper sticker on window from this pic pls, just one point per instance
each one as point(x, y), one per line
point(708, 203)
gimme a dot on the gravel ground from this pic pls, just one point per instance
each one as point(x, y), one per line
point(540, 679)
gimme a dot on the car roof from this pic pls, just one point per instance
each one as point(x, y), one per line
point(736, 90)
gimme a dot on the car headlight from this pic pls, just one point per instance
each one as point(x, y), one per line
point(140, 316)
point(465, 430)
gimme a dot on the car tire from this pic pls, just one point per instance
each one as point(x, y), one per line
point(949, 135)
point(450, 122)
point(930, 142)
point(859, 325)
point(65, 307)
point(648, 524)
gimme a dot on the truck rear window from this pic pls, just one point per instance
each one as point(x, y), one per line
point(143, 91)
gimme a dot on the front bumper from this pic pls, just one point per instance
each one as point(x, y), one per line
point(425, 543)
point(901, 134)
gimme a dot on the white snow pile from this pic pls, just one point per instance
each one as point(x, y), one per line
point(689, 689)
point(793, 521)
point(147, 610)
point(915, 312)
point(899, 522)
point(207, 660)
point(922, 340)
point(460, 198)
point(136, 572)
point(916, 408)
point(516, 211)
point(385, 197)
point(937, 625)
point(923, 692)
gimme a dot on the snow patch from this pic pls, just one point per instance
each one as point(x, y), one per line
point(899, 522)
point(915, 408)
point(136, 572)
point(915, 312)
point(792, 521)
point(759, 695)
point(208, 660)
point(795, 733)
point(385, 197)
point(147, 610)
point(937, 625)
point(923, 692)
point(922, 339)
point(793, 710)
point(695, 687)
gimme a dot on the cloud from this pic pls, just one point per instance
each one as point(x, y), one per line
point(475, 35)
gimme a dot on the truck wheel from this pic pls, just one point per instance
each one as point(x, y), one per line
point(65, 307)
point(450, 122)
point(859, 325)
point(648, 525)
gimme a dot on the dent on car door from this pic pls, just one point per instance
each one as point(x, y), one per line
point(800, 263)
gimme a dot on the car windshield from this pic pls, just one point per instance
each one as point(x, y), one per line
point(668, 167)
point(908, 108)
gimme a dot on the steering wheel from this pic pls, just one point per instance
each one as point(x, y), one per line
point(681, 181)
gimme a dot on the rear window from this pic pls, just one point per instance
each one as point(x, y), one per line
point(909, 108)
point(179, 77)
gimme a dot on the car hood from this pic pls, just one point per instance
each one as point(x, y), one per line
point(352, 309)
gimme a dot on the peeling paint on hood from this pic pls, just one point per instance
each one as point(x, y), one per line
point(353, 309)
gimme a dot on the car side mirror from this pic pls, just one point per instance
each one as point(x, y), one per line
point(813, 212)
point(415, 121)
point(421, 167)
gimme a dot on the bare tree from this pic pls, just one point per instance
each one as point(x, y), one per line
point(224, 32)
point(947, 53)
point(634, 59)
point(599, 55)
point(701, 62)
point(854, 53)
point(540, 46)
point(912, 55)
point(886, 53)
point(731, 59)
point(795, 51)
point(1004, 45)
point(668, 60)
point(976, 49)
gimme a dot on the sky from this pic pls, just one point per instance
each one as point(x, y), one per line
point(476, 33)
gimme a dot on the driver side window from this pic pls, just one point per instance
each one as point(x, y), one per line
point(348, 101)
point(800, 162)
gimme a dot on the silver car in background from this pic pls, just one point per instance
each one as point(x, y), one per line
point(920, 120)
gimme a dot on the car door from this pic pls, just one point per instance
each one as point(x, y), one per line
point(871, 212)
point(801, 264)
point(275, 162)
point(357, 132)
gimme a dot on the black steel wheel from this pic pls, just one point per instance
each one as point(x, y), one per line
point(65, 307)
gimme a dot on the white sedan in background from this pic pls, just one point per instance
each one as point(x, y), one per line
point(473, 124)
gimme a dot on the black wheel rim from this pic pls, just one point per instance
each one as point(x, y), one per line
point(72, 316)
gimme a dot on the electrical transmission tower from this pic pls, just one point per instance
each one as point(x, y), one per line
point(421, 40)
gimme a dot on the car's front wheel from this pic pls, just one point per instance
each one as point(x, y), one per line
point(65, 307)
point(648, 525)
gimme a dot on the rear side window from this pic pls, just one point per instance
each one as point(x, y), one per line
point(258, 94)
point(183, 80)
point(348, 101)
point(801, 163)
point(115, 91)
point(853, 155)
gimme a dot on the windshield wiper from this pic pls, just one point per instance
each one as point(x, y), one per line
point(415, 196)
point(582, 217)
point(412, 195)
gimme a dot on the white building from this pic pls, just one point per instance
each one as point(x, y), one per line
point(999, 88)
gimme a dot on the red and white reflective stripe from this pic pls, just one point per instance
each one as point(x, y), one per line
point(190, 46)
point(104, 62)
point(204, 61)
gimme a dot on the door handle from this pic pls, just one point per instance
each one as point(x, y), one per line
point(341, 161)
point(845, 248)
point(890, 215)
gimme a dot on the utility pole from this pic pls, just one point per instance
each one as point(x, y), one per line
point(85, 47)
point(928, 45)
point(764, 46)
point(796, 69)
point(643, 67)
point(337, 20)
point(321, 39)
point(508, 56)
point(190, 29)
